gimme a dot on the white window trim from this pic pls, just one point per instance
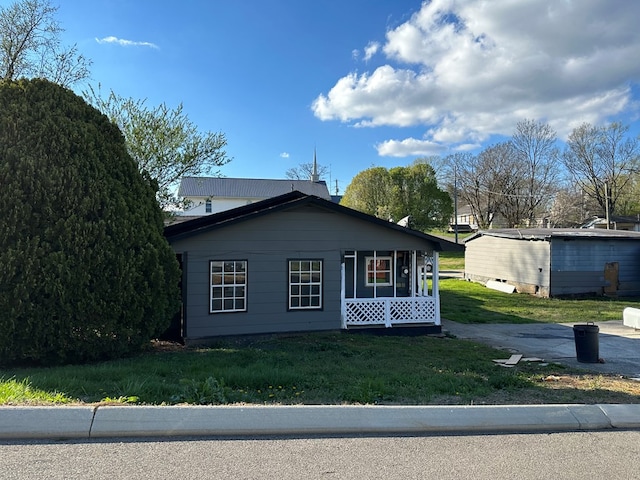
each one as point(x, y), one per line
point(375, 260)
point(224, 285)
point(309, 284)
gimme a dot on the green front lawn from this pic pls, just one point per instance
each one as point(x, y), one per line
point(469, 302)
point(340, 367)
point(314, 368)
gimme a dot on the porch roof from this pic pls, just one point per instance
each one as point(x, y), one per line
point(288, 201)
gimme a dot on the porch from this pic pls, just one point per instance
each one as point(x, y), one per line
point(386, 289)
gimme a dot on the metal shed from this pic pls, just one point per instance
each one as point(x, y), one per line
point(557, 262)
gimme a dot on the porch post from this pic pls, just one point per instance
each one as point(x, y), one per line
point(414, 273)
point(435, 286)
point(343, 302)
point(355, 274)
point(375, 274)
point(394, 272)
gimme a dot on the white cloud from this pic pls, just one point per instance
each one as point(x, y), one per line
point(125, 43)
point(370, 50)
point(468, 70)
point(284, 155)
point(407, 147)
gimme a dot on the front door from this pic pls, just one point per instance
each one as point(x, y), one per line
point(403, 274)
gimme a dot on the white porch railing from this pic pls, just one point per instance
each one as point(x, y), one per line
point(390, 311)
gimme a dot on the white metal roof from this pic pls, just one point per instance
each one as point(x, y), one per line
point(248, 187)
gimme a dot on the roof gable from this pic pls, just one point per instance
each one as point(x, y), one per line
point(288, 201)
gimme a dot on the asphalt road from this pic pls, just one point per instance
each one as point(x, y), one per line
point(575, 455)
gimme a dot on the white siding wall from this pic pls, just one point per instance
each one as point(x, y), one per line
point(523, 263)
point(218, 204)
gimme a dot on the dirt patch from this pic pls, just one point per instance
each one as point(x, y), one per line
point(560, 388)
point(162, 346)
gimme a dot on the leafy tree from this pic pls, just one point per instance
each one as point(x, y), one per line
point(85, 272)
point(30, 45)
point(165, 144)
point(414, 192)
point(368, 192)
point(604, 163)
point(402, 191)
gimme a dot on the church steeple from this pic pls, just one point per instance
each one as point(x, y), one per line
point(314, 174)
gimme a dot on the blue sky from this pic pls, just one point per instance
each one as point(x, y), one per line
point(364, 82)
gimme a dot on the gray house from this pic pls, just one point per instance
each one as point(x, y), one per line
point(298, 262)
point(556, 262)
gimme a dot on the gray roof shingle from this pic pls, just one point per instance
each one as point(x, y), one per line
point(248, 187)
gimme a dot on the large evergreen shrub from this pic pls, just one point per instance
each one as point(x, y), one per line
point(85, 272)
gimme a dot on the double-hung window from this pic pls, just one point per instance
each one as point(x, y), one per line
point(305, 284)
point(228, 286)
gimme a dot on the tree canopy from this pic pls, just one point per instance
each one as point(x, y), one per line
point(30, 45)
point(516, 179)
point(304, 171)
point(165, 144)
point(604, 163)
point(85, 271)
point(399, 192)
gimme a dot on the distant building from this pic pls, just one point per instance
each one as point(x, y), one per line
point(466, 220)
point(631, 224)
point(209, 195)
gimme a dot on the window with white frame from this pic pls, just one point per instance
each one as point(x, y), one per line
point(228, 286)
point(379, 271)
point(305, 284)
point(208, 206)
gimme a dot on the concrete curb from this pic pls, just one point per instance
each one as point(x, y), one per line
point(175, 421)
point(46, 422)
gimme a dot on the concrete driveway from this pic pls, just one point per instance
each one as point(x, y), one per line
point(619, 346)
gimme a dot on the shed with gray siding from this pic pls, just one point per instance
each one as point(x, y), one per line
point(557, 262)
point(296, 263)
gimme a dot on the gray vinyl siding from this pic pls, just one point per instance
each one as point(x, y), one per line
point(554, 267)
point(267, 243)
point(523, 263)
point(579, 265)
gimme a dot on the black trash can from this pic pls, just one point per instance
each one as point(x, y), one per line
point(587, 347)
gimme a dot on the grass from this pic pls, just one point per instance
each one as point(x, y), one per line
point(342, 368)
point(315, 368)
point(469, 302)
point(451, 261)
point(319, 368)
point(14, 391)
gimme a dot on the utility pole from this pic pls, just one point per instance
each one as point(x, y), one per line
point(455, 200)
point(606, 200)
